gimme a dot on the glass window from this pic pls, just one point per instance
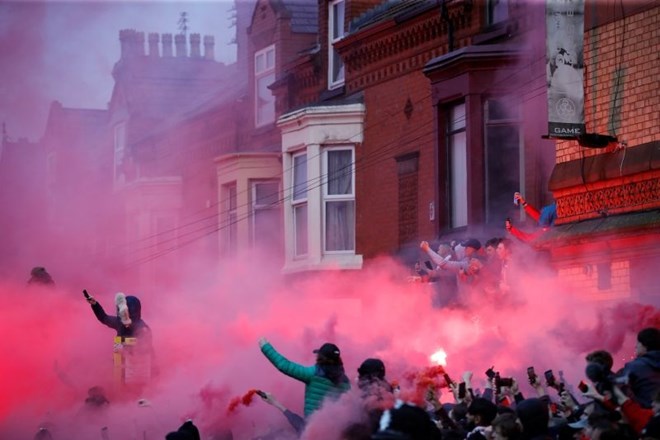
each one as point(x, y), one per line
point(264, 76)
point(336, 32)
point(265, 213)
point(339, 200)
point(231, 219)
point(457, 142)
point(299, 203)
point(299, 177)
point(498, 10)
point(503, 158)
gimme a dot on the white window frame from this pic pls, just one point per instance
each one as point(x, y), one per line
point(264, 72)
point(299, 203)
point(337, 82)
point(328, 198)
point(458, 170)
point(257, 207)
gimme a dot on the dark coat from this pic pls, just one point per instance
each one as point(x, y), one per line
point(138, 327)
point(644, 377)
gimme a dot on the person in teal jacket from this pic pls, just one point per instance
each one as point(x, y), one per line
point(326, 378)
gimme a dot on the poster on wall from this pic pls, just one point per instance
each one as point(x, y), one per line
point(564, 20)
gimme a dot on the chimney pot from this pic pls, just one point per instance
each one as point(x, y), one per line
point(153, 45)
point(180, 45)
point(194, 46)
point(209, 43)
point(167, 45)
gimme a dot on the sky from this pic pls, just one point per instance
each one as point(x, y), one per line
point(65, 50)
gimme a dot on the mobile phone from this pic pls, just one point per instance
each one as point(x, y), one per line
point(491, 373)
point(261, 394)
point(583, 386)
point(531, 375)
point(505, 381)
point(550, 378)
point(86, 294)
point(428, 265)
point(448, 380)
point(461, 390)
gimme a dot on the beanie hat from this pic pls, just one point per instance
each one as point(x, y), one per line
point(372, 368)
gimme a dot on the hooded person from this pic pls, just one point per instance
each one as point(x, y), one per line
point(377, 393)
point(40, 276)
point(534, 418)
point(325, 379)
point(643, 372)
point(128, 322)
point(133, 351)
point(187, 431)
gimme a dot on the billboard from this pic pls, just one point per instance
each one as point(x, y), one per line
point(564, 21)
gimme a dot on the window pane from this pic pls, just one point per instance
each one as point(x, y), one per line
point(300, 225)
point(266, 229)
point(231, 197)
point(265, 100)
point(459, 196)
point(300, 177)
point(338, 20)
point(259, 65)
point(232, 233)
point(266, 194)
point(457, 117)
point(337, 67)
point(340, 172)
point(270, 59)
point(340, 226)
point(502, 171)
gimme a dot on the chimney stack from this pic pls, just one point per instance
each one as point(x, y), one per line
point(139, 43)
point(153, 45)
point(195, 51)
point(209, 43)
point(125, 41)
point(180, 45)
point(167, 45)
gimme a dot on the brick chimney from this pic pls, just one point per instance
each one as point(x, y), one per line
point(194, 46)
point(132, 43)
point(180, 45)
point(126, 41)
point(153, 45)
point(167, 45)
point(209, 43)
point(139, 43)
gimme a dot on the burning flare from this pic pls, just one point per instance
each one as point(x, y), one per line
point(439, 357)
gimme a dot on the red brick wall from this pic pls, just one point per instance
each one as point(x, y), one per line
point(630, 44)
point(389, 133)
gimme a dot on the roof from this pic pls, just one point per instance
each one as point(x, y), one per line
point(392, 10)
point(604, 225)
point(304, 15)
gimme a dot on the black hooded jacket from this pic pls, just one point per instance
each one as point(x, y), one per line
point(644, 377)
point(138, 327)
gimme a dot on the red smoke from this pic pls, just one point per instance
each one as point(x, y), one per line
point(246, 400)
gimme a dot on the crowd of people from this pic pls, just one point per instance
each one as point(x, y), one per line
point(456, 269)
point(618, 405)
point(622, 405)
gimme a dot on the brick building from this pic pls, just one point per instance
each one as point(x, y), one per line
point(607, 184)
